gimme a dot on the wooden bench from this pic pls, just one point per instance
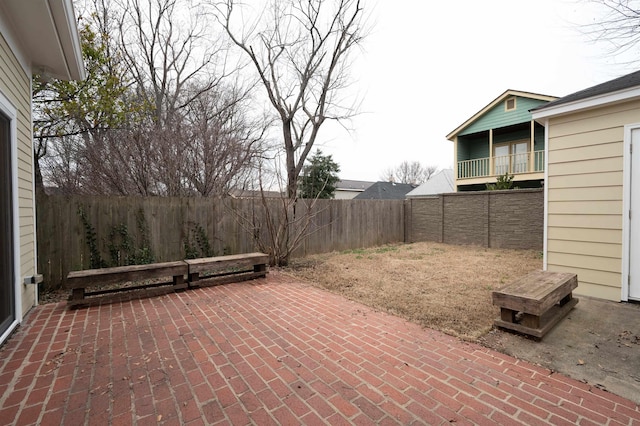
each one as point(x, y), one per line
point(218, 270)
point(225, 269)
point(536, 302)
point(79, 281)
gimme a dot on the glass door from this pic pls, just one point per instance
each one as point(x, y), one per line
point(7, 282)
point(520, 157)
point(501, 159)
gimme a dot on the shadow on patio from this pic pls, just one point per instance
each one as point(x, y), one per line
point(271, 351)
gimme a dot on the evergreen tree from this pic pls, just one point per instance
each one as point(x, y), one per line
point(320, 177)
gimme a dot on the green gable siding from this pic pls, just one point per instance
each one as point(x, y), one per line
point(497, 117)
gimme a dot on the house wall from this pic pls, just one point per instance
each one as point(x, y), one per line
point(477, 146)
point(585, 177)
point(345, 194)
point(15, 85)
point(538, 139)
point(471, 147)
point(524, 133)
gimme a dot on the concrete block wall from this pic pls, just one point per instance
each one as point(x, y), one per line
point(499, 219)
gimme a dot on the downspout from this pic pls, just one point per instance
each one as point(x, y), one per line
point(532, 147)
point(33, 199)
point(546, 196)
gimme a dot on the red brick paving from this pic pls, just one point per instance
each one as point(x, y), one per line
point(272, 351)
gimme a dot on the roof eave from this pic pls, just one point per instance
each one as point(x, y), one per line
point(588, 103)
point(54, 50)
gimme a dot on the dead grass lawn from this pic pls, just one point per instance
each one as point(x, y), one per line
point(439, 286)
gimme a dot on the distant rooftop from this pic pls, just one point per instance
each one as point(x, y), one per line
point(440, 183)
point(353, 185)
point(385, 191)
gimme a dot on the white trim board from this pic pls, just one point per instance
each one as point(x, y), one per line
point(626, 207)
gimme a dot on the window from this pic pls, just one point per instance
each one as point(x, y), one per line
point(510, 104)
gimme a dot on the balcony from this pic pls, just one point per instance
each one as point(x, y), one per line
point(515, 164)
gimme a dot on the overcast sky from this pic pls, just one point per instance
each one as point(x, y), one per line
point(428, 66)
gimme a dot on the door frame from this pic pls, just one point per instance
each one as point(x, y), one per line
point(626, 207)
point(511, 155)
point(7, 108)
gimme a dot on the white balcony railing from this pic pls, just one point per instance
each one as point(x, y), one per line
point(496, 166)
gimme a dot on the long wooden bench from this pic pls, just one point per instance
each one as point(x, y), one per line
point(533, 304)
point(224, 269)
point(208, 271)
point(79, 281)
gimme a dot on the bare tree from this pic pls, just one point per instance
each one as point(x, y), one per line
point(409, 172)
point(223, 144)
point(300, 50)
point(618, 25)
point(278, 224)
point(157, 115)
point(165, 45)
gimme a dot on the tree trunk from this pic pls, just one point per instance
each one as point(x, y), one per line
point(39, 182)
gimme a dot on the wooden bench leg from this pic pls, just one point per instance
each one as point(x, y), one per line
point(77, 294)
point(194, 277)
point(178, 282)
point(531, 321)
point(566, 299)
point(508, 315)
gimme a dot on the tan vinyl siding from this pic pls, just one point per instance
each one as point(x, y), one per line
point(596, 137)
point(607, 236)
point(584, 223)
point(600, 207)
point(584, 167)
point(576, 193)
point(603, 179)
point(15, 84)
point(612, 250)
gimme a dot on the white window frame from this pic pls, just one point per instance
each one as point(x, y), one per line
point(7, 108)
point(506, 103)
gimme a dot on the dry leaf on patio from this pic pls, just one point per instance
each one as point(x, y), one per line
point(580, 362)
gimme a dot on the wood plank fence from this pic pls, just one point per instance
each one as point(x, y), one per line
point(117, 229)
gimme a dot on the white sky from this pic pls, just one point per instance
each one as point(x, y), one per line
point(428, 66)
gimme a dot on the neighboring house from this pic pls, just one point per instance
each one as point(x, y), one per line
point(36, 37)
point(500, 138)
point(385, 191)
point(348, 189)
point(593, 187)
point(440, 183)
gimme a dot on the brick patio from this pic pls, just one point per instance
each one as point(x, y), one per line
point(272, 351)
